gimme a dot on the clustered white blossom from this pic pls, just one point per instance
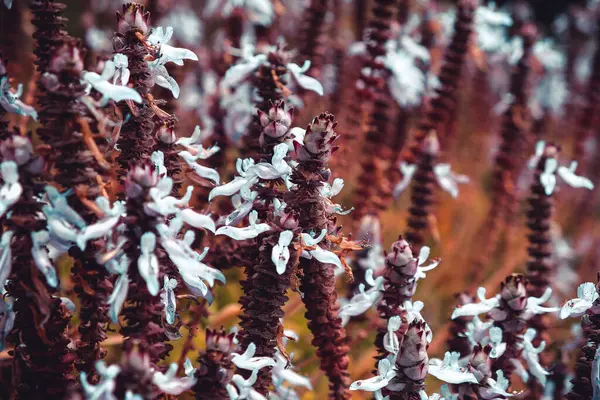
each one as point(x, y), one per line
point(446, 178)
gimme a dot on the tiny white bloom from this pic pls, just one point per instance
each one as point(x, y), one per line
point(408, 171)
point(10, 101)
point(117, 297)
point(39, 252)
point(449, 370)
point(148, 262)
point(280, 254)
point(169, 383)
point(472, 309)
point(586, 296)
point(449, 180)
point(386, 373)
point(249, 232)
point(104, 389)
point(160, 37)
point(169, 299)
point(248, 362)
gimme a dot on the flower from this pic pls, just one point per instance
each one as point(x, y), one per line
point(491, 26)
point(5, 257)
point(472, 309)
point(498, 347)
point(243, 388)
point(586, 296)
point(159, 37)
point(280, 254)
point(363, 300)
point(551, 167)
point(390, 339)
point(531, 355)
point(446, 178)
point(250, 63)
point(259, 12)
point(148, 262)
point(117, 70)
point(10, 101)
point(169, 383)
point(449, 370)
point(386, 373)
point(423, 256)
point(168, 299)
point(249, 232)
point(118, 296)
point(104, 390)
point(283, 373)
point(111, 91)
point(320, 254)
point(249, 362)
point(11, 189)
point(408, 80)
point(39, 253)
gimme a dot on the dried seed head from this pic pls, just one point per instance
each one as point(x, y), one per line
point(133, 17)
point(514, 292)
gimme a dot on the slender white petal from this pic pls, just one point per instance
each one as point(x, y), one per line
point(5, 257)
point(117, 297)
point(248, 362)
point(280, 254)
point(408, 171)
point(148, 262)
point(39, 252)
point(568, 175)
point(197, 220)
point(111, 91)
point(448, 370)
point(305, 81)
point(169, 383)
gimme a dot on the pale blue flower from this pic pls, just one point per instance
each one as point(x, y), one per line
point(148, 262)
point(10, 101)
point(11, 189)
point(169, 299)
point(248, 362)
point(280, 253)
point(170, 384)
point(39, 253)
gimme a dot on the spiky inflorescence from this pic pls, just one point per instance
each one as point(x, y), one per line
point(400, 285)
point(422, 196)
point(587, 122)
point(582, 384)
point(510, 316)
point(457, 340)
point(373, 182)
point(540, 266)
point(137, 140)
point(144, 313)
point(269, 81)
point(312, 35)
point(371, 79)
point(136, 372)
point(509, 159)
point(313, 213)
point(43, 361)
point(265, 289)
point(441, 108)
point(215, 366)
point(50, 31)
point(412, 363)
point(79, 164)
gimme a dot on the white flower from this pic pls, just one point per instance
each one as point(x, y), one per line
point(498, 347)
point(472, 309)
point(390, 339)
point(200, 170)
point(449, 370)
point(534, 303)
point(363, 300)
point(491, 27)
point(39, 252)
point(104, 390)
point(10, 101)
point(243, 388)
point(408, 171)
point(332, 190)
point(112, 216)
point(8, 3)
point(283, 373)
point(259, 12)
point(158, 159)
point(169, 383)
point(423, 256)
point(159, 37)
point(496, 389)
point(320, 254)
point(188, 367)
point(280, 253)
point(551, 167)
point(413, 312)
point(586, 296)
point(7, 316)
point(189, 26)
point(250, 173)
point(11, 189)
point(375, 384)
point(407, 81)
point(117, 297)
point(148, 262)
point(162, 78)
point(243, 204)
point(248, 362)
point(531, 355)
point(117, 70)
point(169, 300)
point(476, 330)
point(5, 257)
point(111, 91)
point(250, 63)
point(449, 180)
point(248, 232)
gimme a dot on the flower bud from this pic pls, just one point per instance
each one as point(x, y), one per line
point(67, 58)
point(17, 149)
point(277, 121)
point(514, 292)
point(141, 177)
point(219, 341)
point(413, 359)
point(134, 16)
point(166, 132)
point(401, 254)
point(481, 364)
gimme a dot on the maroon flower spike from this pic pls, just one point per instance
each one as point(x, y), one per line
point(423, 193)
point(50, 31)
point(43, 360)
point(269, 82)
point(318, 280)
point(510, 158)
point(582, 386)
point(215, 366)
point(143, 312)
point(511, 318)
point(137, 140)
point(441, 109)
point(313, 35)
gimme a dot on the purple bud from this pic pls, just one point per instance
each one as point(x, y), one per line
point(134, 16)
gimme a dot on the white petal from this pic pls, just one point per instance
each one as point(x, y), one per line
point(326, 257)
point(197, 220)
point(245, 233)
point(575, 308)
point(450, 374)
point(229, 189)
point(117, 297)
point(240, 72)
point(108, 90)
point(588, 291)
point(305, 81)
point(41, 259)
point(568, 175)
point(5, 257)
point(475, 308)
point(424, 254)
point(408, 172)
point(171, 384)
